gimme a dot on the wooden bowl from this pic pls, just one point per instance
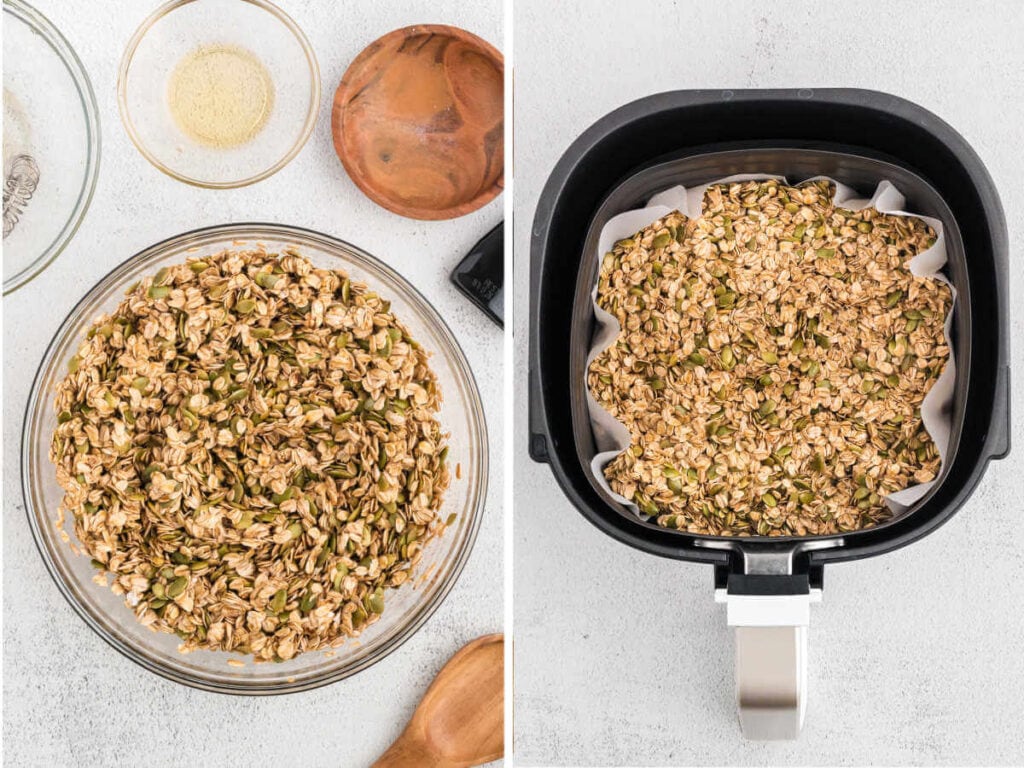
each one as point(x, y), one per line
point(418, 121)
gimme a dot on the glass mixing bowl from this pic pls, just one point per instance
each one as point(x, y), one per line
point(408, 607)
point(51, 143)
point(178, 29)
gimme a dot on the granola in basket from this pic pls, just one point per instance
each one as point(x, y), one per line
point(772, 362)
point(249, 447)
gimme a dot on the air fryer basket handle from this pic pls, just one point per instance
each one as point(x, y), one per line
point(769, 614)
point(771, 681)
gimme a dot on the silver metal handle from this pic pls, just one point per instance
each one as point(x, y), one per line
point(771, 680)
point(771, 660)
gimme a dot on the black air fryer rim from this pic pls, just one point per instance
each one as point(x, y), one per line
point(883, 109)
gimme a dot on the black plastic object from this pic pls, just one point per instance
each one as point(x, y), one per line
point(857, 137)
point(481, 275)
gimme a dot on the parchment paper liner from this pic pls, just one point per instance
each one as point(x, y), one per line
point(611, 436)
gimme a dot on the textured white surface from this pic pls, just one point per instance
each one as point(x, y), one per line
point(70, 700)
point(622, 658)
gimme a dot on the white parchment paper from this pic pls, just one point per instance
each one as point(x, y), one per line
point(611, 436)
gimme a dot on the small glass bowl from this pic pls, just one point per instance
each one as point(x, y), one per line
point(51, 143)
point(407, 607)
point(180, 28)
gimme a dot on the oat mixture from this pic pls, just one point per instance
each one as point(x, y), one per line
point(772, 362)
point(249, 446)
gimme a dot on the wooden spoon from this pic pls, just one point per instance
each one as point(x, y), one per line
point(460, 721)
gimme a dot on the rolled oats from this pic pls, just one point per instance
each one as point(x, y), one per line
point(772, 361)
point(249, 447)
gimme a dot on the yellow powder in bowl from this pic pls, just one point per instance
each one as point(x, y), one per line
point(220, 95)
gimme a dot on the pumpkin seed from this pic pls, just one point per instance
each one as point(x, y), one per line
point(177, 587)
point(308, 602)
point(375, 602)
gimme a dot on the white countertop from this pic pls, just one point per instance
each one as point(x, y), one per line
point(622, 658)
point(70, 700)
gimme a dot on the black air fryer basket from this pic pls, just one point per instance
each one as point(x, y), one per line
point(692, 137)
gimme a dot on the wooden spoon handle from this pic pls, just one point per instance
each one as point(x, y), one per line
point(459, 721)
point(410, 753)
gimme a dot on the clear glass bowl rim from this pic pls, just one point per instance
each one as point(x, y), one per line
point(82, 313)
point(133, 134)
point(87, 98)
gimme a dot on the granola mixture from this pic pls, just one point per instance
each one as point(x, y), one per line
point(772, 362)
point(249, 446)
